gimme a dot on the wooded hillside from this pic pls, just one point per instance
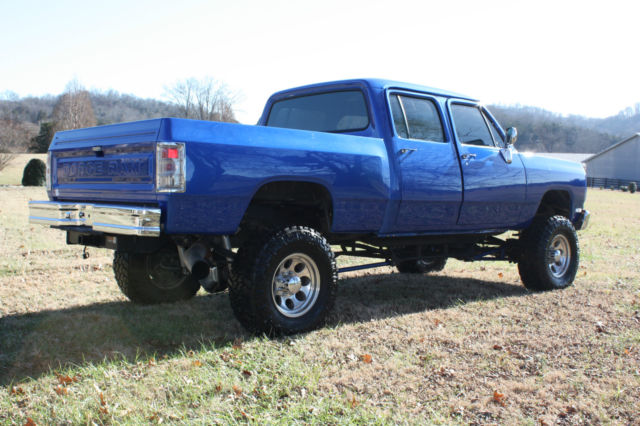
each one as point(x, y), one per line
point(20, 118)
point(539, 130)
point(28, 124)
point(544, 131)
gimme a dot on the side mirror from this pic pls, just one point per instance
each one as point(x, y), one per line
point(512, 135)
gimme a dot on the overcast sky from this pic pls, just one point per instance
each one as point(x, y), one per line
point(571, 57)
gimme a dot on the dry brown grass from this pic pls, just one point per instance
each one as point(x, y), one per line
point(5, 159)
point(12, 173)
point(468, 345)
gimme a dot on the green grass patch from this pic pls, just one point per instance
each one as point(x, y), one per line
point(401, 349)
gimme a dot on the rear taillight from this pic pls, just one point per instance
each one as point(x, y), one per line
point(48, 171)
point(170, 167)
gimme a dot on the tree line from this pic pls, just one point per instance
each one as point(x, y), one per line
point(28, 124)
point(543, 131)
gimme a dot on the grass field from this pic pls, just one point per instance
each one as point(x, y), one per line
point(468, 345)
point(12, 174)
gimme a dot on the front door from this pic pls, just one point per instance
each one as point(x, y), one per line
point(494, 182)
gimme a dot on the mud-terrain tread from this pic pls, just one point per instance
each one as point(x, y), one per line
point(532, 266)
point(240, 279)
point(121, 272)
point(251, 274)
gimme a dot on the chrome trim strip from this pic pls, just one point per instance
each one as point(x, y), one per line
point(109, 218)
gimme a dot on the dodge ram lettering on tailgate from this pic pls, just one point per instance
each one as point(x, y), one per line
point(402, 174)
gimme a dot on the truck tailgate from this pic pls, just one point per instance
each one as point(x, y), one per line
point(107, 163)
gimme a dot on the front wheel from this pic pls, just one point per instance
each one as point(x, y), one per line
point(283, 283)
point(550, 254)
point(157, 277)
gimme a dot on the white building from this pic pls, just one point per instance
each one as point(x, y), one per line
point(570, 156)
point(619, 164)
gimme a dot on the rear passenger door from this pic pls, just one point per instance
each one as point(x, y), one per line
point(494, 186)
point(426, 163)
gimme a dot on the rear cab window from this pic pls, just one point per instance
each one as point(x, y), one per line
point(334, 112)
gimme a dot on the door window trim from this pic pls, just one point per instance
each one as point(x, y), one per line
point(417, 95)
point(452, 102)
point(493, 122)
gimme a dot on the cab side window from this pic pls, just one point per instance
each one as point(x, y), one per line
point(416, 118)
point(398, 117)
point(470, 125)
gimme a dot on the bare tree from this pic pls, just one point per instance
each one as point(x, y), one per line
point(16, 135)
point(5, 159)
point(205, 99)
point(73, 109)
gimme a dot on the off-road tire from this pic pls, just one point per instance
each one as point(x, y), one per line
point(253, 277)
point(149, 278)
point(550, 254)
point(420, 266)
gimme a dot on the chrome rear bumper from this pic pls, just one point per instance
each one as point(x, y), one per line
point(112, 219)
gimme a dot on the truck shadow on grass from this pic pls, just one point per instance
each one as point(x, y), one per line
point(374, 297)
point(35, 343)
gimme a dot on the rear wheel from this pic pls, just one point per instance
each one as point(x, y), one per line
point(550, 254)
point(283, 283)
point(422, 266)
point(153, 277)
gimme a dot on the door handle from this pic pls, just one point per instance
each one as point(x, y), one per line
point(406, 150)
point(467, 156)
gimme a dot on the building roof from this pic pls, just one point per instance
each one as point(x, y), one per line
point(612, 147)
point(578, 158)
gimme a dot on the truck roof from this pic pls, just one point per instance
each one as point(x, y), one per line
point(376, 83)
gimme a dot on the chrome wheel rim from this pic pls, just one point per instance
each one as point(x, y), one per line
point(295, 285)
point(559, 256)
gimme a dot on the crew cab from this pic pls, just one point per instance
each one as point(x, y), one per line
point(403, 174)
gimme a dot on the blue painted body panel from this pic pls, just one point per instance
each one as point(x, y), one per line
point(494, 191)
point(228, 163)
point(431, 197)
point(374, 189)
point(546, 174)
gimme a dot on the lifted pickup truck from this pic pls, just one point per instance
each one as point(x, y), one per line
point(404, 174)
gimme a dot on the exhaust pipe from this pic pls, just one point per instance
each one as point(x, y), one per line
point(194, 260)
point(200, 269)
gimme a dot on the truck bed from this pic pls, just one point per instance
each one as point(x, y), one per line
point(226, 165)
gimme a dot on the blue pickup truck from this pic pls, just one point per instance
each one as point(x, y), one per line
point(402, 174)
